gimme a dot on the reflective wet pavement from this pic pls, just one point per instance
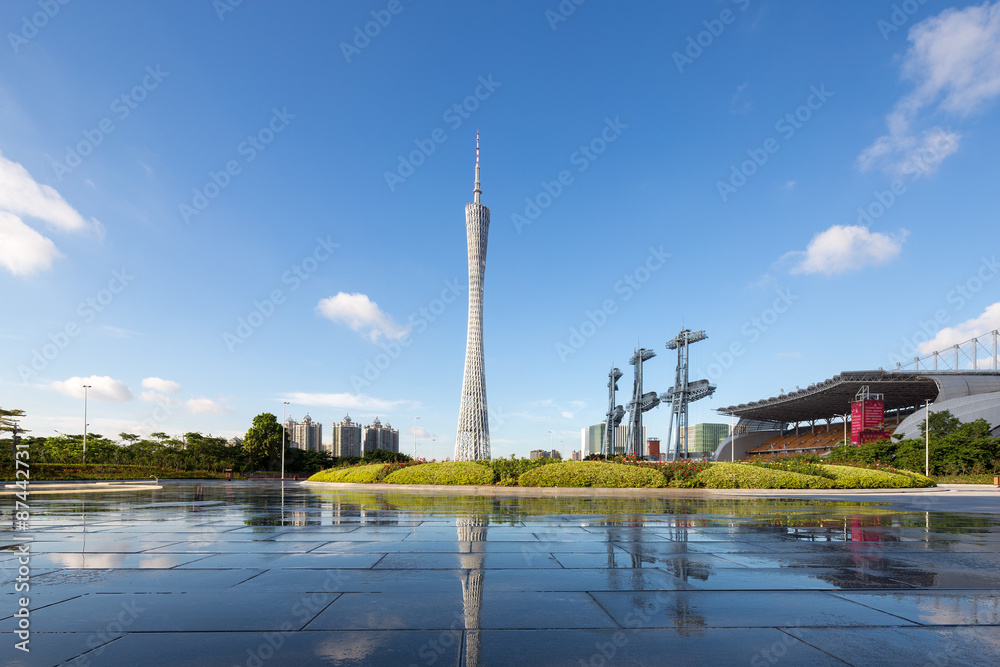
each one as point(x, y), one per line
point(242, 574)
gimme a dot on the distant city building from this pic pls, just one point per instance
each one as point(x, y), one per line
point(539, 454)
point(623, 436)
point(592, 439)
point(307, 434)
point(575, 456)
point(556, 454)
point(381, 437)
point(653, 449)
point(347, 438)
point(703, 440)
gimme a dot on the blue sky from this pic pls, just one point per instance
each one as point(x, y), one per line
point(208, 209)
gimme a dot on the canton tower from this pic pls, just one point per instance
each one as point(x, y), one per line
point(473, 440)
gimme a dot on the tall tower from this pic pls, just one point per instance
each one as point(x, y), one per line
point(473, 440)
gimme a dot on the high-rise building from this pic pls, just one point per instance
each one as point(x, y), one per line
point(306, 434)
point(381, 437)
point(473, 440)
point(347, 438)
point(703, 440)
point(539, 454)
point(592, 439)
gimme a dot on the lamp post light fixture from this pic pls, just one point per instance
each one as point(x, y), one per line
point(415, 438)
point(283, 404)
point(85, 388)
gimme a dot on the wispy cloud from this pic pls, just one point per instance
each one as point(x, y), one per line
point(840, 249)
point(361, 314)
point(204, 406)
point(345, 401)
point(954, 64)
point(989, 320)
point(102, 388)
point(161, 385)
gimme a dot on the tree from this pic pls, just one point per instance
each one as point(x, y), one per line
point(262, 443)
point(8, 418)
point(128, 438)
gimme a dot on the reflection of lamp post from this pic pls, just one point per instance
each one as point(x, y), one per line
point(415, 438)
point(283, 404)
point(85, 388)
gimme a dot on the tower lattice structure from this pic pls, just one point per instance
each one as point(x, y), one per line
point(473, 440)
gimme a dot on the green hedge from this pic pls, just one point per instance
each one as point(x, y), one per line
point(506, 472)
point(743, 476)
point(452, 472)
point(368, 474)
point(850, 477)
point(592, 473)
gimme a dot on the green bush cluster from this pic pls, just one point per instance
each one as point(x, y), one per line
point(362, 474)
point(794, 465)
point(447, 473)
point(592, 474)
point(743, 476)
point(850, 477)
point(506, 472)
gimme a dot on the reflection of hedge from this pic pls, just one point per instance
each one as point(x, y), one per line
point(448, 473)
point(592, 473)
point(741, 476)
point(849, 477)
point(353, 475)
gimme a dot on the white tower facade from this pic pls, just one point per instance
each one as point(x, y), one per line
point(473, 440)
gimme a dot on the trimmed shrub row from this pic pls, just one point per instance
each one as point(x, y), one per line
point(742, 476)
point(599, 474)
point(593, 474)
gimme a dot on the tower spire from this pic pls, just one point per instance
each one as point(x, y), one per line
point(477, 191)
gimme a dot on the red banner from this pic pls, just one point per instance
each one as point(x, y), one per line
point(867, 421)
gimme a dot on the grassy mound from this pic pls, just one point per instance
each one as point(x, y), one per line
point(368, 474)
point(850, 477)
point(452, 472)
point(592, 473)
point(741, 476)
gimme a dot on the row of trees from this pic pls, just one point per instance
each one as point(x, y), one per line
point(260, 451)
point(956, 448)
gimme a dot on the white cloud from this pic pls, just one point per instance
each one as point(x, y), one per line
point(361, 314)
point(954, 63)
point(846, 248)
point(155, 397)
point(161, 385)
point(102, 388)
point(21, 195)
point(24, 251)
point(203, 406)
point(988, 321)
point(345, 401)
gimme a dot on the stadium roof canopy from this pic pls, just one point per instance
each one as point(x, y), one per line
point(832, 398)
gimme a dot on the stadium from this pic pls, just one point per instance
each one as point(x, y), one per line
point(862, 406)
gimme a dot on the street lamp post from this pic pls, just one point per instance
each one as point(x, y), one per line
point(415, 438)
point(550, 443)
point(283, 404)
point(85, 388)
point(927, 439)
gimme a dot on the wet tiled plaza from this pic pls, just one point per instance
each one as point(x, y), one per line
point(250, 573)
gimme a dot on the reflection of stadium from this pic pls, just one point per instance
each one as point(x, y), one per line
point(814, 419)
